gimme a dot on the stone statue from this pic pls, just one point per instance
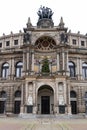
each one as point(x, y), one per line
point(63, 37)
point(45, 12)
point(26, 37)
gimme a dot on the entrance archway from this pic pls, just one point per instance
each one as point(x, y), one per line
point(45, 100)
point(3, 97)
point(17, 102)
point(73, 100)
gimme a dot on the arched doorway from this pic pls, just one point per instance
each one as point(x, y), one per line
point(17, 102)
point(3, 97)
point(73, 101)
point(45, 100)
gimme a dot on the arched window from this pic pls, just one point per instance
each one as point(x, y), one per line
point(72, 94)
point(3, 94)
point(84, 70)
point(5, 70)
point(18, 93)
point(71, 69)
point(85, 94)
point(45, 43)
point(19, 67)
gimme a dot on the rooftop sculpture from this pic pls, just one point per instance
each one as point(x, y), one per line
point(44, 12)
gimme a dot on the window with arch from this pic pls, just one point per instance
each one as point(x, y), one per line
point(45, 43)
point(5, 70)
point(18, 93)
point(19, 67)
point(72, 94)
point(71, 69)
point(85, 94)
point(3, 94)
point(84, 70)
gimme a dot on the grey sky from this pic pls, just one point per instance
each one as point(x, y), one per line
point(14, 14)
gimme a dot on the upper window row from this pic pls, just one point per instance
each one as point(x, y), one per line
point(72, 69)
point(5, 70)
point(7, 43)
point(74, 42)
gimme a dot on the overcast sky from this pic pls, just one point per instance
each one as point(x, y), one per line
point(14, 14)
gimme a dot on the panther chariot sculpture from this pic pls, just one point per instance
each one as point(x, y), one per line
point(44, 12)
point(45, 17)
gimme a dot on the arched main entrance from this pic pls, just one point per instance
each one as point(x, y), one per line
point(45, 100)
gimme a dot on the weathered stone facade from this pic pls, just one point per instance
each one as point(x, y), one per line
point(58, 88)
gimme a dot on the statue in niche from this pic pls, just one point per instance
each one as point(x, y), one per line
point(30, 100)
point(63, 37)
point(26, 38)
point(45, 12)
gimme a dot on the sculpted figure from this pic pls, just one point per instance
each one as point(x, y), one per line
point(64, 37)
point(45, 13)
point(26, 37)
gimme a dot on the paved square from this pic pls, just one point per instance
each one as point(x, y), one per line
point(42, 124)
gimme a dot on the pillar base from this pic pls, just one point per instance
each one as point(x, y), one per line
point(22, 109)
point(34, 110)
point(69, 110)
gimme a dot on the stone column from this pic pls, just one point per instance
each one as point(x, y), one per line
point(63, 56)
point(22, 100)
point(68, 99)
point(34, 99)
point(9, 101)
point(26, 92)
point(80, 68)
point(58, 62)
point(24, 62)
point(77, 69)
point(32, 61)
point(13, 67)
point(67, 61)
point(79, 98)
point(55, 99)
point(27, 61)
point(10, 69)
point(1, 69)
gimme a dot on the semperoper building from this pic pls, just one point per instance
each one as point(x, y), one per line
point(43, 70)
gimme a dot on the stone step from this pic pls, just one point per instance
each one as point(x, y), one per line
point(62, 116)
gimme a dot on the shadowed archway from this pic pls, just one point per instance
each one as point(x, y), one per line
point(45, 100)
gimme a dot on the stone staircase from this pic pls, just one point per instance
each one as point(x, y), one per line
point(49, 116)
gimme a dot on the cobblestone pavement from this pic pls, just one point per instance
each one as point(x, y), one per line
point(42, 124)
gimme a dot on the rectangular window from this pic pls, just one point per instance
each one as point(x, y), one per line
point(74, 41)
point(0, 44)
point(7, 43)
point(15, 42)
point(82, 43)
